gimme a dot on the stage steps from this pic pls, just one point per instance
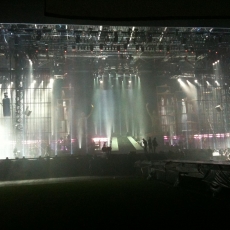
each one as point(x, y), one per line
point(114, 144)
point(125, 146)
point(135, 144)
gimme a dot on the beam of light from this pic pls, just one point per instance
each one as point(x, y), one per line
point(41, 85)
point(184, 86)
point(141, 126)
point(51, 83)
point(217, 83)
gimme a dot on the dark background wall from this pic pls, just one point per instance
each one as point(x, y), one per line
point(119, 12)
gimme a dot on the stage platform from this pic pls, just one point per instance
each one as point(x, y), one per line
point(123, 145)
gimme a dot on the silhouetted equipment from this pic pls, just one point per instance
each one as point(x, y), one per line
point(6, 106)
point(27, 111)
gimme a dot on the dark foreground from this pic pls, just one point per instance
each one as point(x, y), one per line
point(112, 202)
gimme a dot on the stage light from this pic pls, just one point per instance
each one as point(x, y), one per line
point(65, 48)
point(219, 108)
point(46, 47)
point(34, 81)
point(195, 81)
point(101, 81)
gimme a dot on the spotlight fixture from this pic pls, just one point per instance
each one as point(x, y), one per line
point(219, 108)
point(65, 48)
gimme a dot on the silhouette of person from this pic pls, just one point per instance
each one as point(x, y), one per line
point(150, 145)
point(145, 145)
point(155, 144)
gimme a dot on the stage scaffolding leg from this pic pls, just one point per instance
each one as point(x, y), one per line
point(19, 107)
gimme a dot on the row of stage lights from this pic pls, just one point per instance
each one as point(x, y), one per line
point(31, 85)
point(196, 81)
point(216, 62)
point(117, 75)
point(118, 48)
point(101, 81)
